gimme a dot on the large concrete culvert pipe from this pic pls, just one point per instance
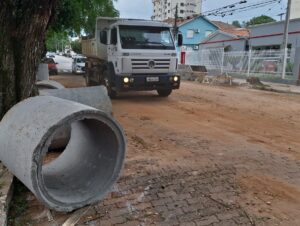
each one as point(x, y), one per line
point(49, 84)
point(89, 165)
point(94, 96)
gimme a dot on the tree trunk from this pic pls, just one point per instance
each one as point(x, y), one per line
point(23, 26)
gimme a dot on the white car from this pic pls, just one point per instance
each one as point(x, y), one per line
point(78, 65)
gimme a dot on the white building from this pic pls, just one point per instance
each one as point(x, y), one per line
point(295, 9)
point(164, 9)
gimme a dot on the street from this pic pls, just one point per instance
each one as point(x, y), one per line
point(207, 155)
point(64, 64)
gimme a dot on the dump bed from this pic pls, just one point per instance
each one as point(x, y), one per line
point(89, 47)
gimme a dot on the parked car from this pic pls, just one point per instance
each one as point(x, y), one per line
point(51, 65)
point(50, 55)
point(78, 64)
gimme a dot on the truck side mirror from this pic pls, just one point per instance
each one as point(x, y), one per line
point(103, 37)
point(179, 40)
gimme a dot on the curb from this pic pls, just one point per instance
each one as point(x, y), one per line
point(6, 193)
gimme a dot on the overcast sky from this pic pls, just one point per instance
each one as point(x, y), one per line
point(142, 9)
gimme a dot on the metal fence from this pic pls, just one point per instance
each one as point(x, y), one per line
point(264, 63)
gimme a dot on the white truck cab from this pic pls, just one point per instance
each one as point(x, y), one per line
point(132, 55)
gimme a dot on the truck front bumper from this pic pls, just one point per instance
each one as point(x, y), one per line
point(147, 82)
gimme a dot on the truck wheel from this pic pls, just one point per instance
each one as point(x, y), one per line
point(111, 93)
point(164, 92)
point(87, 79)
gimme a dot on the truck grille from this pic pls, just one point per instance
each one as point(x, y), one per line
point(150, 63)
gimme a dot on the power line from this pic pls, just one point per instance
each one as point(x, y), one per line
point(226, 6)
point(231, 9)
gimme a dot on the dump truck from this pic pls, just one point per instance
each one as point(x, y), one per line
point(132, 55)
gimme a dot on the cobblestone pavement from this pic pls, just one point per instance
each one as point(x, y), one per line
point(204, 156)
point(168, 197)
point(164, 197)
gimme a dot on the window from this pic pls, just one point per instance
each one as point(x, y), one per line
point(181, 4)
point(181, 11)
point(190, 34)
point(207, 33)
point(103, 37)
point(80, 60)
point(113, 36)
point(141, 37)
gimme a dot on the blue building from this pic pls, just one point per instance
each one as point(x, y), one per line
point(194, 30)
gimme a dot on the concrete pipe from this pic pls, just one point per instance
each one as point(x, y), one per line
point(95, 96)
point(84, 172)
point(42, 73)
point(49, 84)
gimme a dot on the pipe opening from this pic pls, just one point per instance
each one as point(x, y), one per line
point(88, 165)
point(58, 144)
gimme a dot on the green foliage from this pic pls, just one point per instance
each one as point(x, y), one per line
point(289, 67)
point(56, 40)
point(77, 16)
point(76, 46)
point(74, 17)
point(259, 20)
point(18, 205)
point(236, 23)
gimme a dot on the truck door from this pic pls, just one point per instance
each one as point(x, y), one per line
point(112, 49)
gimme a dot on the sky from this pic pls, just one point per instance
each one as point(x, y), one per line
point(142, 9)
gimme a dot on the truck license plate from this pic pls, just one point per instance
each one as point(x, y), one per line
point(152, 79)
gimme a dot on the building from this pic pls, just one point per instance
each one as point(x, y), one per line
point(259, 37)
point(295, 9)
point(270, 35)
point(165, 9)
point(227, 37)
point(201, 33)
point(267, 36)
point(194, 30)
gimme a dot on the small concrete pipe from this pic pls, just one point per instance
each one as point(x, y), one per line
point(95, 96)
point(42, 72)
point(89, 165)
point(49, 84)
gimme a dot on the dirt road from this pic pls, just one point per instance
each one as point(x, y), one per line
point(206, 155)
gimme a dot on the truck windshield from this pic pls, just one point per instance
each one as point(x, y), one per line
point(136, 37)
point(80, 60)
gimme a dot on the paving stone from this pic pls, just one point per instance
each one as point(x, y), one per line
point(163, 201)
point(228, 215)
point(206, 221)
point(118, 212)
point(187, 224)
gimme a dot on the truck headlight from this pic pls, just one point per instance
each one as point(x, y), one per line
point(176, 78)
point(126, 80)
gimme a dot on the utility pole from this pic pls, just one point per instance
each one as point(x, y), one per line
point(175, 22)
point(281, 16)
point(285, 38)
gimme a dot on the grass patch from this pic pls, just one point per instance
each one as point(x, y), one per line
point(18, 205)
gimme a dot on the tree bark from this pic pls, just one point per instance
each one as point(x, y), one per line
point(23, 26)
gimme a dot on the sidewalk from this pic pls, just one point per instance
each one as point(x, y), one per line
point(6, 180)
point(275, 86)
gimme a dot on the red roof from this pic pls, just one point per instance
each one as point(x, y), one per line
point(228, 28)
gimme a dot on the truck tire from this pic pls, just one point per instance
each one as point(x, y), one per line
point(111, 93)
point(87, 79)
point(164, 92)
